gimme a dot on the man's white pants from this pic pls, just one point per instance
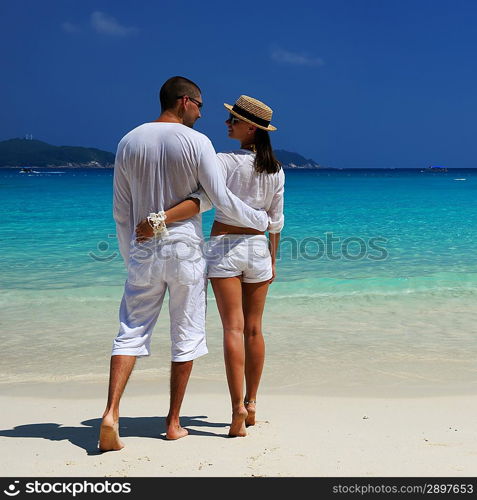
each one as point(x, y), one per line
point(179, 268)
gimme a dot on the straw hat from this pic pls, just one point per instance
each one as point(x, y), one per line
point(252, 111)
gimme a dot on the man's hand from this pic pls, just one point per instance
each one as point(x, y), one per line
point(144, 231)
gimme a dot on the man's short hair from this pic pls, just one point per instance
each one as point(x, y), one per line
point(175, 87)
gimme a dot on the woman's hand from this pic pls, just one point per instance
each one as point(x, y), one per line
point(273, 241)
point(184, 210)
point(274, 273)
point(144, 231)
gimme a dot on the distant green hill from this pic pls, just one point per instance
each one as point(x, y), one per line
point(31, 153)
point(294, 160)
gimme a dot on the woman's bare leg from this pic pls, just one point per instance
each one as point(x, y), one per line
point(253, 304)
point(228, 293)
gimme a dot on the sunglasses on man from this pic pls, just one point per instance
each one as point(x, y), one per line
point(195, 101)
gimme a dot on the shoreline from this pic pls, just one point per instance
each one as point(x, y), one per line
point(157, 384)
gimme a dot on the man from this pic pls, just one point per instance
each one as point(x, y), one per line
point(158, 165)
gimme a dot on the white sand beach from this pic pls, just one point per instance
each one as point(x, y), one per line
point(52, 429)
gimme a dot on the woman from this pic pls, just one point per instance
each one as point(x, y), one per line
point(241, 261)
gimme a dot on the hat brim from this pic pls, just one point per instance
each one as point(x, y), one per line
point(270, 128)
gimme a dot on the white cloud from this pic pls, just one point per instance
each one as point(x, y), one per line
point(108, 25)
point(296, 59)
point(70, 28)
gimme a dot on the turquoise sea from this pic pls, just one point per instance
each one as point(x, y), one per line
point(375, 294)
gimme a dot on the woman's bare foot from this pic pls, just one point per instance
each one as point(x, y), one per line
point(174, 430)
point(237, 427)
point(250, 407)
point(109, 435)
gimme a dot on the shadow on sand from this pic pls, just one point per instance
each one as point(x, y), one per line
point(86, 436)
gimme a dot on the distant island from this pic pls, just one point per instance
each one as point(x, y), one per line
point(294, 160)
point(33, 153)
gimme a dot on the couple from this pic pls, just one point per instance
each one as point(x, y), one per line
point(163, 165)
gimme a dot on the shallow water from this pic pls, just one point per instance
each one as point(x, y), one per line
point(376, 288)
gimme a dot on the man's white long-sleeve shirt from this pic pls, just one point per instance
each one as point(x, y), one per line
point(160, 164)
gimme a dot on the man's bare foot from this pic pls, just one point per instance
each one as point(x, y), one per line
point(250, 407)
point(109, 435)
point(175, 431)
point(237, 427)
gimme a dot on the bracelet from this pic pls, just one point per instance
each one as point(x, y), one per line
point(157, 221)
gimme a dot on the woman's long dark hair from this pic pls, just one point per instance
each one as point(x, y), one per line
point(265, 160)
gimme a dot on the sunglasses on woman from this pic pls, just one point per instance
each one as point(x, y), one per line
point(233, 119)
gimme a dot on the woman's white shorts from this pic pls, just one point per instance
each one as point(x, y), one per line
point(243, 255)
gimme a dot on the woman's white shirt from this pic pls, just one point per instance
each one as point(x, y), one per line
point(258, 190)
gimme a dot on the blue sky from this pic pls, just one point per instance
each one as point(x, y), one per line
point(353, 83)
